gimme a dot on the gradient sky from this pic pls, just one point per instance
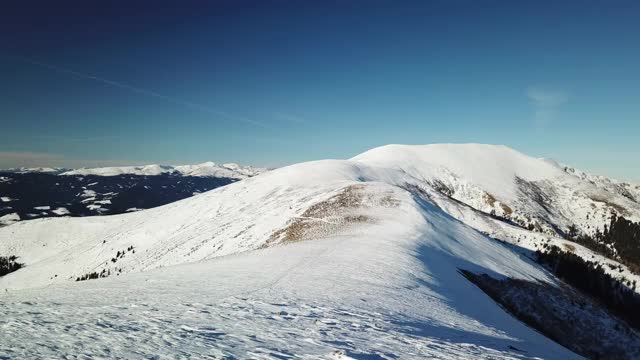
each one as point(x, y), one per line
point(276, 82)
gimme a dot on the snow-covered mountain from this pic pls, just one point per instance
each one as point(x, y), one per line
point(513, 197)
point(530, 192)
point(206, 169)
point(26, 170)
point(626, 189)
point(371, 266)
point(52, 192)
point(209, 168)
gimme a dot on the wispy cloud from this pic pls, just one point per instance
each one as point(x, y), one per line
point(546, 103)
point(291, 118)
point(135, 89)
point(71, 139)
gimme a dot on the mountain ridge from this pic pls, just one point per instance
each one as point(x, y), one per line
point(209, 168)
point(378, 241)
point(532, 220)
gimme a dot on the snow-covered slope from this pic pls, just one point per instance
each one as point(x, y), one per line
point(9, 219)
point(490, 167)
point(626, 189)
point(345, 297)
point(380, 278)
point(210, 169)
point(467, 181)
point(370, 268)
point(48, 170)
point(530, 192)
point(511, 196)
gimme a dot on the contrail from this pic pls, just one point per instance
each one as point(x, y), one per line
point(138, 90)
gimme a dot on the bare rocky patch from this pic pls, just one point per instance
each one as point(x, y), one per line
point(330, 217)
point(616, 207)
point(491, 201)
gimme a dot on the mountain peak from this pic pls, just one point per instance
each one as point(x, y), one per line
point(492, 167)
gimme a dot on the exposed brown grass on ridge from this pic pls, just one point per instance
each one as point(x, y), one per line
point(331, 216)
point(489, 199)
point(618, 208)
point(569, 247)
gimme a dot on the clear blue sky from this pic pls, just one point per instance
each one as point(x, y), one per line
point(277, 82)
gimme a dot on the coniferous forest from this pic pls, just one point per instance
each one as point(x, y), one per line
point(618, 296)
point(9, 264)
point(620, 241)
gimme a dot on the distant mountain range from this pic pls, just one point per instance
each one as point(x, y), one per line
point(30, 193)
point(206, 169)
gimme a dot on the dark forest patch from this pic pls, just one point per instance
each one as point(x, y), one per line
point(618, 296)
point(619, 241)
point(564, 315)
point(38, 195)
point(9, 264)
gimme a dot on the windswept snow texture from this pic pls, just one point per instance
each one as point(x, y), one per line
point(367, 300)
point(350, 259)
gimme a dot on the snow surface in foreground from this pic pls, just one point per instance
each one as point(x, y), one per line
point(384, 295)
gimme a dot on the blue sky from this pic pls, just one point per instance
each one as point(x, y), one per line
point(277, 82)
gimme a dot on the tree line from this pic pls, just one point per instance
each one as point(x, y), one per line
point(618, 296)
point(9, 264)
point(620, 240)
